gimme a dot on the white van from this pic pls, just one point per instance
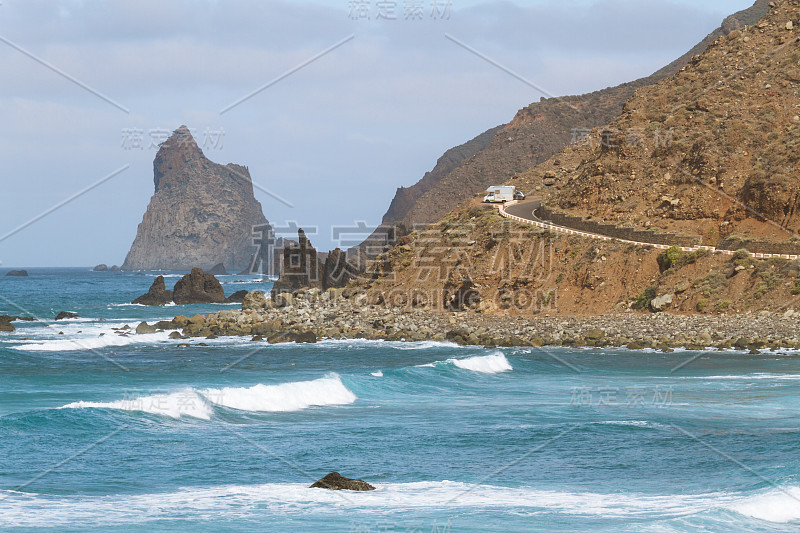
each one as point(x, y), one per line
point(499, 194)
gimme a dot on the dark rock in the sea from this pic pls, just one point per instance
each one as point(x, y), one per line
point(236, 297)
point(218, 270)
point(102, 267)
point(198, 288)
point(293, 336)
point(335, 481)
point(175, 335)
point(114, 268)
point(157, 295)
point(9, 319)
point(165, 324)
point(145, 328)
point(63, 315)
point(300, 267)
point(18, 273)
point(7, 327)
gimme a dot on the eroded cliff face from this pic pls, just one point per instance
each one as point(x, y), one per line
point(201, 214)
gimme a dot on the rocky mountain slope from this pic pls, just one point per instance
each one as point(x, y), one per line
point(729, 170)
point(536, 133)
point(711, 151)
point(201, 214)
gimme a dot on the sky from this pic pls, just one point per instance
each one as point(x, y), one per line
point(331, 104)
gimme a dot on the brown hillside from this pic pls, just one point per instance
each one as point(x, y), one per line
point(711, 151)
point(536, 133)
point(728, 170)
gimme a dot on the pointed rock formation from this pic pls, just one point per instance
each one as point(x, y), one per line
point(157, 295)
point(202, 213)
point(300, 266)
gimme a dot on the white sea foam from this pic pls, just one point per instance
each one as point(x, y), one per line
point(486, 364)
point(182, 403)
point(294, 396)
point(776, 505)
point(296, 500)
point(397, 345)
point(94, 342)
point(378, 374)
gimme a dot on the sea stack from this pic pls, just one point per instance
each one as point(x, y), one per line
point(201, 215)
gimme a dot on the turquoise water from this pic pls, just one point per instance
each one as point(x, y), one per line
point(105, 433)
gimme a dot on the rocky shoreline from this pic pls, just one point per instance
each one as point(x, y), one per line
point(309, 315)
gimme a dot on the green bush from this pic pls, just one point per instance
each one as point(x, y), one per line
point(741, 253)
point(796, 287)
point(769, 280)
point(669, 258)
point(702, 304)
point(643, 300)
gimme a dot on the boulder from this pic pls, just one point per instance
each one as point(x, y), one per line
point(18, 273)
point(175, 335)
point(64, 315)
point(165, 324)
point(180, 321)
point(594, 335)
point(662, 302)
point(7, 327)
point(293, 336)
point(218, 270)
point(237, 297)
point(114, 268)
point(283, 299)
point(198, 287)
point(145, 328)
point(102, 267)
point(256, 300)
point(335, 481)
point(157, 295)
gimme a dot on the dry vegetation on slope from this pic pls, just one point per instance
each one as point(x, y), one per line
point(711, 151)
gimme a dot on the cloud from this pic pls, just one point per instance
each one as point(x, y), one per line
point(368, 117)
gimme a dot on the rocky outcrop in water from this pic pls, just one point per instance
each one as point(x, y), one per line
point(18, 273)
point(66, 315)
point(335, 481)
point(202, 213)
point(157, 295)
point(198, 287)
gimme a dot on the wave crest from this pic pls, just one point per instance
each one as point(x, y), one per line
point(294, 396)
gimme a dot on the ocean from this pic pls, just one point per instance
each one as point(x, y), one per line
point(100, 432)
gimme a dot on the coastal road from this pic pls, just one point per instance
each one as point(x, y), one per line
point(523, 212)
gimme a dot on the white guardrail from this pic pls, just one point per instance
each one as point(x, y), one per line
point(570, 231)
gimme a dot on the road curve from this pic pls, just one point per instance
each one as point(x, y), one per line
point(524, 212)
